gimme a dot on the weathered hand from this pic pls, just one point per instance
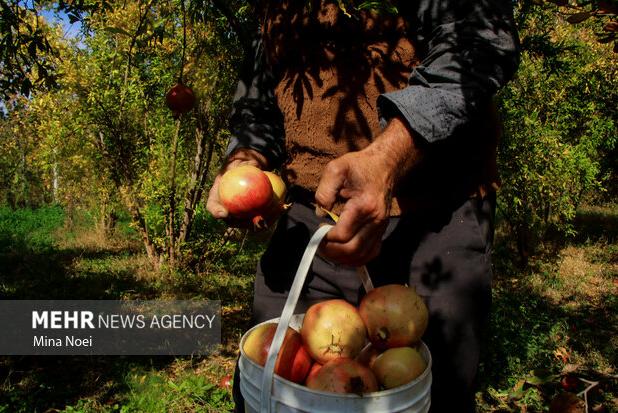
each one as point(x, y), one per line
point(365, 179)
point(239, 157)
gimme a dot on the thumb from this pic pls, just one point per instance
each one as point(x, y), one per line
point(213, 203)
point(331, 182)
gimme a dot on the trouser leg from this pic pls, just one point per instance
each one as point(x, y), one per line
point(239, 401)
point(445, 254)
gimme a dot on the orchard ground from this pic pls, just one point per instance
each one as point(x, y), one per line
point(557, 316)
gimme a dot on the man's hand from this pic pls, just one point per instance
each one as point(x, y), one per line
point(239, 157)
point(365, 179)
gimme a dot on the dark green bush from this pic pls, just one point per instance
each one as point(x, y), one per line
point(29, 229)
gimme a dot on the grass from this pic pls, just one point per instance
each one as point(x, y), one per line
point(557, 317)
point(78, 262)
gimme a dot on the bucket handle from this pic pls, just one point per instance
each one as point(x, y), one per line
point(286, 315)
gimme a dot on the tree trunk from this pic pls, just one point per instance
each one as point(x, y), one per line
point(171, 230)
point(55, 177)
point(523, 244)
point(108, 223)
point(201, 166)
point(138, 219)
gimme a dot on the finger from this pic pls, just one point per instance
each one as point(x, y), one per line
point(355, 215)
point(213, 204)
point(345, 254)
point(363, 247)
point(331, 182)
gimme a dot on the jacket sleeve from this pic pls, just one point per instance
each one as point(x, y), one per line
point(469, 49)
point(256, 121)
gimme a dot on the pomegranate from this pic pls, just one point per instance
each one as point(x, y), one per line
point(279, 188)
point(395, 316)
point(569, 382)
point(180, 99)
point(246, 192)
point(315, 367)
point(293, 362)
point(277, 204)
point(226, 382)
point(398, 366)
point(343, 375)
point(333, 329)
point(299, 367)
point(567, 403)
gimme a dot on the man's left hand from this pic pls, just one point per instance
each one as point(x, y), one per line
point(365, 180)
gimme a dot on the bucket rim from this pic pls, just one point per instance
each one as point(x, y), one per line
point(381, 393)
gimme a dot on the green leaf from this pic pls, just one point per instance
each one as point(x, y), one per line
point(539, 377)
point(117, 30)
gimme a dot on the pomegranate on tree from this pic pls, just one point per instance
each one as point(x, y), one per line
point(333, 329)
point(398, 366)
point(395, 316)
point(293, 362)
point(246, 192)
point(180, 99)
point(343, 375)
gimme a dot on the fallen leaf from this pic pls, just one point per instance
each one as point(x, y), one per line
point(562, 354)
point(578, 17)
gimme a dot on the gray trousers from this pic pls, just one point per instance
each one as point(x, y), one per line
point(444, 252)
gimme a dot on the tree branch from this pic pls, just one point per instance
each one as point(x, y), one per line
point(243, 35)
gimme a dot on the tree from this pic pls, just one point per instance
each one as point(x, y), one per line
point(103, 136)
point(155, 162)
point(560, 130)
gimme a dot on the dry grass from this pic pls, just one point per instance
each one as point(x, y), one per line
point(580, 279)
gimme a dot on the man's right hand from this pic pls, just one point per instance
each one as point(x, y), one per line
point(237, 158)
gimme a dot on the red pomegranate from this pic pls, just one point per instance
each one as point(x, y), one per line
point(226, 382)
point(298, 367)
point(315, 367)
point(246, 192)
point(395, 316)
point(333, 329)
point(569, 382)
point(398, 366)
point(180, 99)
point(343, 375)
point(293, 362)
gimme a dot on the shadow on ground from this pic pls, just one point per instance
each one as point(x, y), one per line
point(39, 384)
point(51, 274)
point(529, 331)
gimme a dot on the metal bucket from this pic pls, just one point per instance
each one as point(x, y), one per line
point(265, 392)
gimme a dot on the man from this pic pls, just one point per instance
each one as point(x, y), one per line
point(385, 119)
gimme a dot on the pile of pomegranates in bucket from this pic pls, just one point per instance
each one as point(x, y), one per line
point(344, 349)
